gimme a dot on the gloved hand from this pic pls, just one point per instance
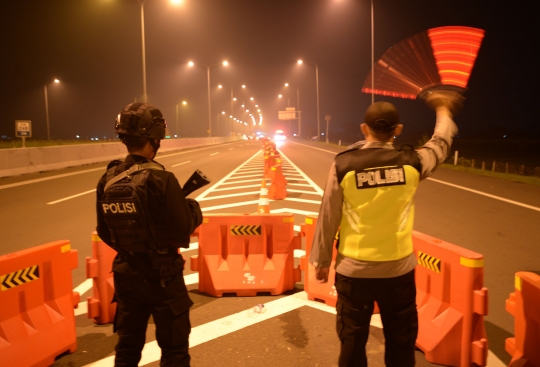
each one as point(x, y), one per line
point(195, 211)
point(445, 99)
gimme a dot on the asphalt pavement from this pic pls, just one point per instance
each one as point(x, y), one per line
point(494, 217)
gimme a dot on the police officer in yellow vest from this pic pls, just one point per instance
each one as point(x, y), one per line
point(369, 198)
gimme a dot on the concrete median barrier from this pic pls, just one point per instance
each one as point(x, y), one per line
point(21, 161)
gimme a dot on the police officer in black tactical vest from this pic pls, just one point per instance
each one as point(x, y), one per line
point(144, 215)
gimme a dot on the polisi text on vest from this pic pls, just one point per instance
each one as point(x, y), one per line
point(380, 177)
point(118, 208)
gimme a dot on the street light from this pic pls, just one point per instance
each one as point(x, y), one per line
point(233, 98)
point(47, 108)
point(224, 63)
point(300, 62)
point(142, 2)
point(299, 112)
point(177, 131)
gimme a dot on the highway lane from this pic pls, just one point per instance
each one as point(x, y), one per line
point(504, 232)
point(28, 220)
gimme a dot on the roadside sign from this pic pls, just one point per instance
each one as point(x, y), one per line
point(23, 128)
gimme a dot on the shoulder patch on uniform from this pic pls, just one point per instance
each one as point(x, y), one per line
point(114, 163)
point(380, 176)
point(347, 151)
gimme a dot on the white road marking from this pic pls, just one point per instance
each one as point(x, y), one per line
point(240, 320)
point(51, 178)
point(256, 175)
point(486, 194)
point(304, 192)
point(217, 207)
point(179, 164)
point(210, 189)
point(88, 170)
point(214, 153)
point(294, 211)
point(236, 187)
point(71, 197)
point(231, 148)
point(84, 287)
point(303, 200)
point(235, 182)
point(303, 185)
point(309, 146)
point(457, 186)
point(227, 325)
point(313, 184)
point(228, 196)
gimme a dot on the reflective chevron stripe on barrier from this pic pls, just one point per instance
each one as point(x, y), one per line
point(451, 301)
point(99, 269)
point(524, 305)
point(246, 254)
point(37, 321)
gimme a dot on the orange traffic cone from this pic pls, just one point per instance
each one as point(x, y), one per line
point(264, 204)
point(277, 190)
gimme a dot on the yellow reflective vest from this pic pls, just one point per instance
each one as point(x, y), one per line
point(378, 203)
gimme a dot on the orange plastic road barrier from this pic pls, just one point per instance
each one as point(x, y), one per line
point(523, 304)
point(264, 203)
point(269, 163)
point(451, 301)
point(99, 269)
point(277, 189)
point(37, 322)
point(325, 292)
point(246, 254)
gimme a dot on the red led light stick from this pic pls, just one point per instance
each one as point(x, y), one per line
point(439, 58)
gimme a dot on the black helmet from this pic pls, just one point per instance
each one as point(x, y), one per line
point(141, 120)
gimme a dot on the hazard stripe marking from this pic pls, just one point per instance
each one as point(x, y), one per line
point(430, 262)
point(246, 230)
point(19, 277)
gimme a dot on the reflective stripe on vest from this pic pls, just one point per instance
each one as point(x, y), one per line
point(378, 213)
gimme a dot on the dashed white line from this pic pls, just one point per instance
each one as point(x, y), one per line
point(71, 197)
point(179, 164)
point(487, 195)
point(214, 153)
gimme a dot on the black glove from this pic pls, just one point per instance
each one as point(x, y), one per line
point(195, 211)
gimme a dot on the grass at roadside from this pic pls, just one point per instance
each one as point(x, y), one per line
point(506, 176)
point(533, 180)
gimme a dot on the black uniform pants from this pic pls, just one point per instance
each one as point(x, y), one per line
point(396, 298)
point(136, 300)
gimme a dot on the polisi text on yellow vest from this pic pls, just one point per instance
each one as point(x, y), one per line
point(380, 177)
point(119, 208)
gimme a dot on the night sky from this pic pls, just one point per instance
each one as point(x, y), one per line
point(94, 48)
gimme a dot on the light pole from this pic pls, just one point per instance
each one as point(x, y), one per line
point(47, 108)
point(299, 111)
point(372, 55)
point(300, 62)
point(142, 2)
point(232, 98)
point(224, 63)
point(177, 130)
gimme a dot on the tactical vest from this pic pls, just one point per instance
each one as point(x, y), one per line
point(378, 203)
point(124, 205)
